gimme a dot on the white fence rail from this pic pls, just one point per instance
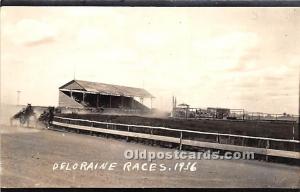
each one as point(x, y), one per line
point(110, 128)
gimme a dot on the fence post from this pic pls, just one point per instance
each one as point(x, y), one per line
point(218, 138)
point(180, 141)
point(127, 138)
point(267, 147)
point(77, 130)
point(106, 135)
point(92, 125)
point(293, 131)
point(151, 133)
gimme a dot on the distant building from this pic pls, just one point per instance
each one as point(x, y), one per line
point(84, 94)
point(219, 113)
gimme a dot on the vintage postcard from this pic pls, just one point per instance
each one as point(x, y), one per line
point(170, 97)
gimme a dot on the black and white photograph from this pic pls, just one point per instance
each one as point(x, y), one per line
point(149, 97)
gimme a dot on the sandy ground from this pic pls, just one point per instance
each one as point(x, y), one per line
point(28, 155)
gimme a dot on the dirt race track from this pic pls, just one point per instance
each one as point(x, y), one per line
point(28, 155)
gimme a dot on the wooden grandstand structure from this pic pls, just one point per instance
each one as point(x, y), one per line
point(81, 94)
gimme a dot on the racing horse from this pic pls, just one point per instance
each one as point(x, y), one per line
point(24, 116)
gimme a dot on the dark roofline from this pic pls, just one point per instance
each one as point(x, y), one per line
point(114, 85)
point(65, 84)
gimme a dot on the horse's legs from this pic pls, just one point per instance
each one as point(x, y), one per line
point(35, 120)
point(27, 122)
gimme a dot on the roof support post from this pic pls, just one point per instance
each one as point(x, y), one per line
point(98, 100)
point(122, 102)
point(110, 101)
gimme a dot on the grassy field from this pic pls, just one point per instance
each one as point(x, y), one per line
point(273, 129)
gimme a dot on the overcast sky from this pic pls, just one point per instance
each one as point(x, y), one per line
point(208, 57)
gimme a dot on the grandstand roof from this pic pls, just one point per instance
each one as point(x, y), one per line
point(107, 89)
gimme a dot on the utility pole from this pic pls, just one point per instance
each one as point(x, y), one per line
point(18, 97)
point(74, 71)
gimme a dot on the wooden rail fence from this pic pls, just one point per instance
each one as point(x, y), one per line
point(221, 141)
